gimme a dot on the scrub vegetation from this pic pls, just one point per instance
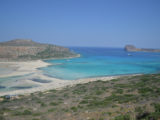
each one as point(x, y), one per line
point(125, 98)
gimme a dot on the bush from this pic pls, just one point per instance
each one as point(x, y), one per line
point(122, 117)
point(157, 108)
point(121, 98)
point(2, 118)
point(51, 110)
point(138, 110)
point(150, 116)
point(74, 109)
point(27, 112)
point(53, 103)
point(145, 90)
point(119, 91)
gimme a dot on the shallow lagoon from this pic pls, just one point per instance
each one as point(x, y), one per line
point(96, 62)
point(15, 83)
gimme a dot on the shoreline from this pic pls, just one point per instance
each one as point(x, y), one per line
point(22, 68)
point(32, 67)
point(26, 67)
point(77, 56)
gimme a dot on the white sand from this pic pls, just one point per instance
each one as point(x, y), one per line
point(22, 68)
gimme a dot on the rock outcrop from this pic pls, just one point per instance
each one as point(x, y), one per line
point(132, 48)
point(20, 49)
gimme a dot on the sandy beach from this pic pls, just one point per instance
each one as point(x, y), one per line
point(23, 68)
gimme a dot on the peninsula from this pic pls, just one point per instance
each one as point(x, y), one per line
point(132, 48)
point(25, 50)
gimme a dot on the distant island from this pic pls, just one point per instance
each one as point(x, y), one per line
point(24, 50)
point(132, 48)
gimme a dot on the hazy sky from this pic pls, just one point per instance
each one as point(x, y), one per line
point(112, 23)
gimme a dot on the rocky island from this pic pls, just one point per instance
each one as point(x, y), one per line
point(132, 48)
point(24, 50)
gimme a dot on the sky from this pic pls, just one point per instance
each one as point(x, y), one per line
point(101, 23)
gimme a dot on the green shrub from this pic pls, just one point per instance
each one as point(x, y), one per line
point(2, 118)
point(150, 116)
point(101, 118)
point(119, 91)
point(37, 114)
point(74, 109)
point(122, 117)
point(98, 103)
point(43, 104)
point(138, 110)
point(99, 92)
point(35, 119)
point(65, 110)
point(157, 108)
point(84, 102)
point(53, 103)
point(53, 90)
point(121, 98)
point(79, 90)
point(27, 112)
point(144, 91)
point(122, 85)
point(51, 110)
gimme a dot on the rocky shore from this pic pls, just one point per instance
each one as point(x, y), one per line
point(132, 48)
point(26, 50)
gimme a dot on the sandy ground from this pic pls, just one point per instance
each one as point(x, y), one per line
point(23, 68)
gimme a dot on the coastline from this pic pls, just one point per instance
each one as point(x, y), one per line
point(77, 56)
point(31, 67)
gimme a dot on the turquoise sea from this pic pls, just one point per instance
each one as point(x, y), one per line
point(96, 62)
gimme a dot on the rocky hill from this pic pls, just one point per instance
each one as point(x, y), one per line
point(132, 48)
point(20, 49)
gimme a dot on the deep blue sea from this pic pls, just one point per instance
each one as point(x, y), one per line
point(96, 62)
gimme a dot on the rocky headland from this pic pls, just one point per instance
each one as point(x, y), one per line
point(132, 48)
point(24, 50)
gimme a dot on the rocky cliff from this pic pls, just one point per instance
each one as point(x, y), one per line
point(20, 49)
point(132, 48)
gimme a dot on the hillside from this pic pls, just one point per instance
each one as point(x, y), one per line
point(132, 48)
point(20, 49)
point(124, 98)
